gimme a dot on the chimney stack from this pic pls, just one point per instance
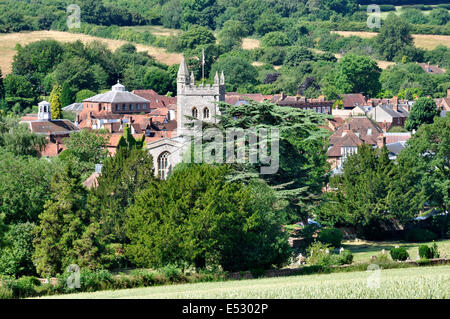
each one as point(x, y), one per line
point(381, 141)
point(448, 93)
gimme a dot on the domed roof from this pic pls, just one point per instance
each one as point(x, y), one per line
point(118, 87)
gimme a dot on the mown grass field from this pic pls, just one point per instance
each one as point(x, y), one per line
point(425, 41)
point(420, 282)
point(9, 41)
point(364, 250)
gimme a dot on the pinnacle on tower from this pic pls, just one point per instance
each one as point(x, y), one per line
point(222, 79)
point(216, 78)
point(183, 71)
point(192, 79)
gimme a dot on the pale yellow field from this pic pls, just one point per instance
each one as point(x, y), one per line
point(8, 42)
point(426, 41)
point(249, 44)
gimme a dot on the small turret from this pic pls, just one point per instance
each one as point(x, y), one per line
point(118, 87)
point(44, 111)
point(192, 79)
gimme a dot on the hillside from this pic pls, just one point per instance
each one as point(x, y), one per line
point(10, 40)
point(424, 41)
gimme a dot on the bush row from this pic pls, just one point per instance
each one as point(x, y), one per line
point(91, 281)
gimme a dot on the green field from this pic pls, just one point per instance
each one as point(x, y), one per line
point(364, 250)
point(420, 282)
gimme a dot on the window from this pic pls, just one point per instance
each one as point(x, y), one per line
point(195, 113)
point(117, 107)
point(144, 106)
point(124, 107)
point(138, 106)
point(206, 113)
point(163, 165)
point(131, 107)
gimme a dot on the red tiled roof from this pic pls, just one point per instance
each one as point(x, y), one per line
point(156, 100)
point(352, 100)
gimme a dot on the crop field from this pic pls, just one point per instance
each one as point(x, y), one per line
point(363, 250)
point(8, 42)
point(425, 41)
point(421, 282)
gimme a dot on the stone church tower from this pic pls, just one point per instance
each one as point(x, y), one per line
point(197, 101)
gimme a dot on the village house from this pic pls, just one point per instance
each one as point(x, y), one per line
point(388, 116)
point(54, 130)
point(318, 105)
point(444, 104)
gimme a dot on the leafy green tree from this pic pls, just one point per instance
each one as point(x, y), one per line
point(199, 12)
point(298, 54)
point(274, 39)
point(423, 112)
point(128, 141)
point(302, 161)
point(358, 74)
point(55, 102)
point(394, 36)
point(66, 95)
point(16, 258)
point(24, 186)
point(363, 195)
point(414, 15)
point(83, 95)
point(157, 79)
point(239, 71)
point(66, 233)
point(424, 164)
point(439, 16)
point(194, 36)
point(231, 34)
point(268, 22)
point(122, 177)
point(84, 149)
point(21, 142)
point(198, 218)
point(18, 86)
point(3, 230)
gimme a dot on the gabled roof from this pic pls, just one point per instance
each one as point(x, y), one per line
point(156, 100)
point(352, 100)
point(55, 127)
point(350, 139)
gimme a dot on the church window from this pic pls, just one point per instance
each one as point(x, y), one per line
point(195, 113)
point(163, 165)
point(206, 113)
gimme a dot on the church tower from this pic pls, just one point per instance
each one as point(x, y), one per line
point(197, 101)
point(44, 111)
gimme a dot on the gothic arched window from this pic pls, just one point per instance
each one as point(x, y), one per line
point(206, 113)
point(163, 165)
point(195, 113)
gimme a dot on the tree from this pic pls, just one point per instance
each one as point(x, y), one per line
point(414, 15)
point(198, 218)
point(302, 160)
point(194, 36)
point(55, 102)
point(128, 141)
point(231, 34)
point(157, 79)
point(423, 112)
point(83, 95)
point(297, 55)
point(276, 38)
point(66, 233)
point(66, 95)
point(21, 142)
point(268, 22)
point(425, 166)
point(358, 74)
point(122, 177)
point(24, 186)
point(16, 258)
point(85, 149)
point(199, 12)
point(238, 70)
point(394, 36)
point(363, 195)
point(439, 16)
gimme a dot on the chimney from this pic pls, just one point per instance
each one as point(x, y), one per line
point(448, 93)
point(381, 141)
point(395, 103)
point(283, 96)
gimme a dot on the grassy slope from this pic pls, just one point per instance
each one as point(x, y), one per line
point(8, 42)
point(426, 41)
point(363, 250)
point(424, 282)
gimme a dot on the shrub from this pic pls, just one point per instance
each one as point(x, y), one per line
point(258, 272)
point(148, 278)
point(171, 273)
point(434, 250)
point(24, 287)
point(425, 252)
point(399, 253)
point(6, 293)
point(331, 236)
point(345, 258)
point(95, 280)
point(318, 256)
point(383, 259)
point(420, 235)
